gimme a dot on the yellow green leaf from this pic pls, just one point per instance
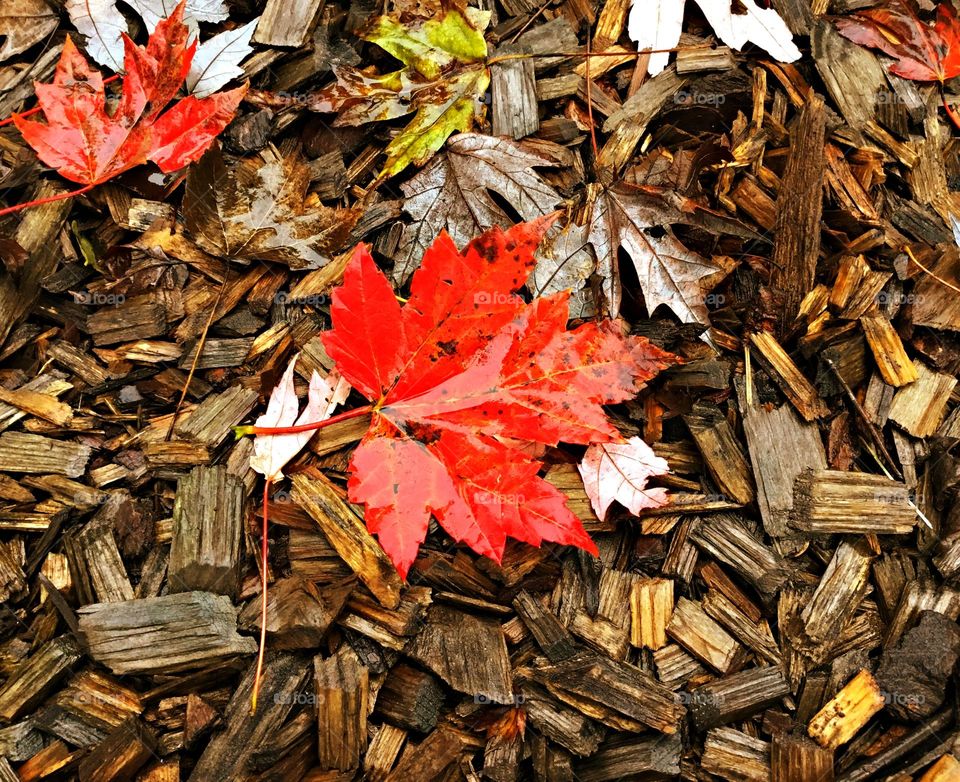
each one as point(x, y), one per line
point(432, 45)
point(441, 111)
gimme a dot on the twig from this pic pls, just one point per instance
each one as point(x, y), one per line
point(942, 281)
point(586, 75)
point(263, 600)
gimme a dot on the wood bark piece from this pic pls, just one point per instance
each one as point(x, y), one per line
point(429, 759)
point(732, 754)
point(847, 712)
point(208, 518)
point(349, 537)
point(469, 653)
point(410, 698)
point(513, 90)
point(561, 724)
point(32, 453)
point(31, 681)
point(342, 685)
point(722, 453)
point(796, 246)
point(894, 364)
point(919, 407)
point(795, 758)
point(163, 634)
point(121, 754)
point(651, 608)
point(298, 613)
point(788, 376)
point(830, 502)
point(286, 23)
point(736, 696)
point(654, 757)
point(551, 636)
point(775, 468)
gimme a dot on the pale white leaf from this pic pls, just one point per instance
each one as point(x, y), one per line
point(218, 59)
point(619, 471)
point(101, 24)
point(271, 453)
point(955, 224)
point(152, 11)
point(657, 25)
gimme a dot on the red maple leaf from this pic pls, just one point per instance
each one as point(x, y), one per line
point(86, 144)
point(462, 378)
point(923, 53)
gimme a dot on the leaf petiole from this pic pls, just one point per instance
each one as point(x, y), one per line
point(248, 429)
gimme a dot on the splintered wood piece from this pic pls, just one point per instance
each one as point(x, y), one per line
point(651, 608)
point(284, 684)
point(484, 672)
point(94, 558)
point(603, 689)
point(32, 453)
point(410, 698)
point(561, 724)
point(287, 24)
point(31, 681)
point(787, 375)
point(165, 634)
point(551, 636)
point(695, 631)
point(726, 539)
point(343, 688)
point(298, 613)
point(633, 757)
point(946, 769)
point(848, 711)
point(428, 759)
point(796, 246)
point(774, 467)
point(755, 636)
point(209, 423)
point(84, 712)
point(349, 537)
point(921, 595)
point(919, 407)
point(722, 453)
point(382, 752)
point(894, 364)
point(831, 502)
point(121, 754)
point(513, 91)
point(41, 405)
point(208, 518)
point(389, 628)
point(795, 758)
point(736, 697)
point(731, 754)
point(601, 634)
point(839, 593)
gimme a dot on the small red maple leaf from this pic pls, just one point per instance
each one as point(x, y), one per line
point(923, 53)
point(86, 144)
point(464, 376)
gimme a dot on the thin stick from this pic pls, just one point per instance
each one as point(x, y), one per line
point(48, 200)
point(243, 431)
point(196, 355)
point(586, 75)
point(526, 55)
point(942, 281)
point(263, 599)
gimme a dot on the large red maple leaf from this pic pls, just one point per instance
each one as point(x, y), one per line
point(86, 144)
point(462, 378)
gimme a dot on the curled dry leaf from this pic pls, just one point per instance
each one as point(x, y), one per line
point(453, 193)
point(443, 80)
point(24, 23)
point(260, 209)
point(620, 471)
point(87, 144)
point(271, 453)
point(658, 25)
point(462, 377)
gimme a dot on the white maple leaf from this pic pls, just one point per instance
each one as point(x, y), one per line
point(272, 452)
point(657, 25)
point(619, 471)
point(102, 24)
point(217, 60)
